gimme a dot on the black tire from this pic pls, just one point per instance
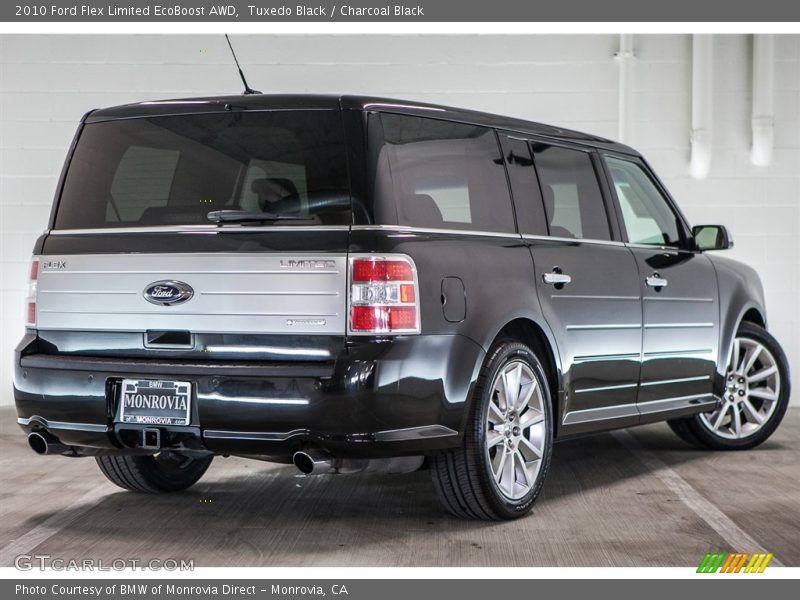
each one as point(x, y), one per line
point(168, 472)
point(463, 477)
point(680, 427)
point(694, 431)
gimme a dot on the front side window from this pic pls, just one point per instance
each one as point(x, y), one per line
point(174, 170)
point(647, 215)
point(571, 193)
point(440, 174)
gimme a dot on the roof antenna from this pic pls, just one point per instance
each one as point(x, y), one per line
point(247, 89)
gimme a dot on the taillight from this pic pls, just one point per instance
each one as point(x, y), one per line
point(30, 302)
point(383, 295)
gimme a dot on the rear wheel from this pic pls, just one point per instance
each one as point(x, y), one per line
point(163, 472)
point(755, 400)
point(500, 468)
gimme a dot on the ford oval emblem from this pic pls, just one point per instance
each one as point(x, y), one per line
point(167, 293)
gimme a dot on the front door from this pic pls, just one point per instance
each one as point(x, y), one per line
point(680, 296)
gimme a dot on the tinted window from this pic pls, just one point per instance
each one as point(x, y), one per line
point(571, 193)
point(646, 213)
point(524, 186)
point(143, 178)
point(173, 170)
point(439, 174)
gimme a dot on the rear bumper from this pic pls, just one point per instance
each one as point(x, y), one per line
point(378, 398)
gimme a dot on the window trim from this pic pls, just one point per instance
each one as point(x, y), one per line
point(683, 226)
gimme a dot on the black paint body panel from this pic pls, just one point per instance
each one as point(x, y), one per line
point(372, 386)
point(605, 332)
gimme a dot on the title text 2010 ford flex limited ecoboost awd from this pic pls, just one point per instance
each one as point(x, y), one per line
point(343, 282)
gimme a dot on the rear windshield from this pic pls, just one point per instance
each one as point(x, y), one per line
point(174, 170)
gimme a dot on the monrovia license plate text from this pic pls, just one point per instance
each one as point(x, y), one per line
point(155, 402)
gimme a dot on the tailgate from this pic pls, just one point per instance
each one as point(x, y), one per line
point(254, 293)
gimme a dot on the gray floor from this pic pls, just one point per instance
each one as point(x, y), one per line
point(640, 498)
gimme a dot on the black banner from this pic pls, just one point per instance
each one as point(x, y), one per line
point(709, 586)
point(395, 11)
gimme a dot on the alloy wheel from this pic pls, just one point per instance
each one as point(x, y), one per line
point(752, 389)
point(515, 429)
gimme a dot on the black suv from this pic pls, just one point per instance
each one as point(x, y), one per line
point(350, 282)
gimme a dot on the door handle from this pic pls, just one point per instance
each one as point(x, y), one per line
point(656, 281)
point(557, 278)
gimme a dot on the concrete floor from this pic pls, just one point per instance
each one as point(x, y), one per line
point(637, 498)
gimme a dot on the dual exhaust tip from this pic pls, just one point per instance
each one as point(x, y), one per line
point(43, 443)
point(319, 462)
point(307, 461)
point(313, 461)
point(310, 462)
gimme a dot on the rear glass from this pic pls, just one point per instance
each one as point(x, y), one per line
point(174, 170)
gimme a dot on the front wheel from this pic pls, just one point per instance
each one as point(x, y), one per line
point(499, 470)
point(163, 472)
point(756, 396)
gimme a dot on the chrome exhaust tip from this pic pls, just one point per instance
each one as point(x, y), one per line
point(312, 461)
point(44, 443)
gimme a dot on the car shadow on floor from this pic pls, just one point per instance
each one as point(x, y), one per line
point(265, 514)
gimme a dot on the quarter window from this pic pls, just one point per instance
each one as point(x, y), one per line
point(572, 198)
point(440, 174)
point(646, 213)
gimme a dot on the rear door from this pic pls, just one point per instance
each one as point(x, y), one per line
point(680, 295)
point(132, 226)
point(587, 282)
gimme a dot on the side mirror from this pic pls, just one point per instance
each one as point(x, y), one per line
point(711, 237)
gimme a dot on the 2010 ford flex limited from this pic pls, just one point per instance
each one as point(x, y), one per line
point(351, 282)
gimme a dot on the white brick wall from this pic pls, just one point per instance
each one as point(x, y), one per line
point(48, 82)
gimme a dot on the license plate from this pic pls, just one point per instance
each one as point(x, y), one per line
point(149, 402)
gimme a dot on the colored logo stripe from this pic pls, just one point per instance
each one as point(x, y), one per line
point(734, 562)
point(711, 562)
point(758, 563)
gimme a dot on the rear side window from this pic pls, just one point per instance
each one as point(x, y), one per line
point(572, 198)
point(442, 175)
point(174, 170)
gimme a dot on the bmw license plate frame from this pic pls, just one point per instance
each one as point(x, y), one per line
point(154, 402)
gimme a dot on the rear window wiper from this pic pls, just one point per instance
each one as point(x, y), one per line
point(243, 216)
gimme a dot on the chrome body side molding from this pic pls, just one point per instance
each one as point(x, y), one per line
point(620, 411)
